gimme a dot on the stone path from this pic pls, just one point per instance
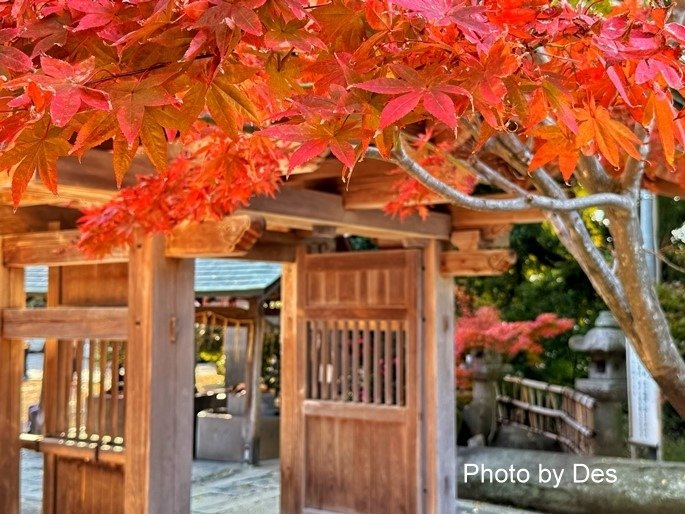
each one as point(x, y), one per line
point(219, 488)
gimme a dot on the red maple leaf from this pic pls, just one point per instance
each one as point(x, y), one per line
point(65, 82)
point(233, 14)
point(11, 57)
point(413, 89)
point(317, 135)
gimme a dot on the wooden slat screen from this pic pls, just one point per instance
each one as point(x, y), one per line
point(357, 361)
point(91, 391)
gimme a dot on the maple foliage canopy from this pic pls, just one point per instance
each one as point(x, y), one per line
point(483, 330)
point(305, 77)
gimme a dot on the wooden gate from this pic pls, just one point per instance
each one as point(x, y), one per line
point(354, 411)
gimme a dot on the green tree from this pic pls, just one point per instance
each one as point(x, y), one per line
point(545, 278)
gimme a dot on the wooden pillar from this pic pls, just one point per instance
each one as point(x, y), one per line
point(159, 381)
point(49, 393)
point(11, 377)
point(292, 388)
point(254, 398)
point(439, 386)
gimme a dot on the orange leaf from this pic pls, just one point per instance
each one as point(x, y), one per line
point(122, 158)
point(35, 150)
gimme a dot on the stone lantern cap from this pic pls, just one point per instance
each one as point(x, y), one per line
point(604, 337)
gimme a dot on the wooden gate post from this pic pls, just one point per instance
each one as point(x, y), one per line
point(292, 393)
point(11, 375)
point(439, 386)
point(159, 381)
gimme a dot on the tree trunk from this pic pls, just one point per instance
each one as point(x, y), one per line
point(648, 330)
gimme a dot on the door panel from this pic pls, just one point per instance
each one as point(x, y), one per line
point(358, 322)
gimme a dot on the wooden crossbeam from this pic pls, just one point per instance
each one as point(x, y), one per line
point(467, 219)
point(56, 248)
point(475, 263)
point(230, 237)
point(370, 186)
point(466, 239)
point(35, 218)
point(66, 323)
point(301, 208)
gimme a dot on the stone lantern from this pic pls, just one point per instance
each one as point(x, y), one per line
point(487, 368)
point(607, 381)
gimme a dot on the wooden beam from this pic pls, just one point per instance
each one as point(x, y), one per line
point(301, 208)
point(475, 263)
point(65, 323)
point(234, 235)
point(371, 186)
point(438, 389)
point(90, 180)
point(269, 252)
point(11, 376)
point(496, 236)
point(487, 237)
point(57, 248)
point(466, 218)
point(159, 381)
point(35, 219)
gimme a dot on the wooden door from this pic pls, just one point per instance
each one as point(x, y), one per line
point(357, 443)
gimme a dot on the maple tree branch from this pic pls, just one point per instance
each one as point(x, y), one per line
point(573, 233)
point(488, 175)
point(522, 203)
point(592, 175)
point(139, 71)
point(668, 262)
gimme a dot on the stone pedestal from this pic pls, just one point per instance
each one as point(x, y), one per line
point(607, 381)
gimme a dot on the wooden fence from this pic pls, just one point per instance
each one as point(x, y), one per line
point(559, 413)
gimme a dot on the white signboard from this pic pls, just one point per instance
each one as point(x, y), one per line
point(644, 403)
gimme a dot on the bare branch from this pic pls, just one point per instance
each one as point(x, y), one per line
point(574, 235)
point(668, 262)
point(497, 179)
point(529, 201)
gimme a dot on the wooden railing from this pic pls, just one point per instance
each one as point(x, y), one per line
point(556, 412)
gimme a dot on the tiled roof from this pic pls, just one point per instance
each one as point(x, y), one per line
point(212, 276)
point(225, 276)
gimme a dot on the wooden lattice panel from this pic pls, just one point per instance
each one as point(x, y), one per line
point(357, 361)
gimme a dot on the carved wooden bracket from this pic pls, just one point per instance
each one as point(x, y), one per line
point(231, 236)
point(473, 263)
